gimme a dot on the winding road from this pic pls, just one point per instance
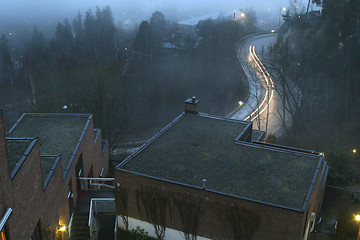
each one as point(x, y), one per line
point(263, 103)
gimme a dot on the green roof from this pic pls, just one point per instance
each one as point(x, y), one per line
point(198, 147)
point(16, 150)
point(58, 134)
point(46, 163)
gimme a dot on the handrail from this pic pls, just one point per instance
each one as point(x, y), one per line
point(96, 183)
point(100, 179)
point(5, 218)
point(93, 204)
point(90, 214)
point(115, 228)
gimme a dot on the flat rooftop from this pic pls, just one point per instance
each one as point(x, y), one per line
point(17, 149)
point(197, 147)
point(58, 134)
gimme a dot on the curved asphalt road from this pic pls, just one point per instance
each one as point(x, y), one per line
point(263, 100)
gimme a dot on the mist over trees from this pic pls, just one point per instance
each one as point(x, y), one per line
point(319, 56)
point(128, 80)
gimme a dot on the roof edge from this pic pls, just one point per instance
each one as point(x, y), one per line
point(277, 149)
point(68, 166)
point(23, 158)
point(147, 143)
point(271, 145)
point(52, 170)
point(316, 173)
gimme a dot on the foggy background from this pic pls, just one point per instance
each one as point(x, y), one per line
point(45, 13)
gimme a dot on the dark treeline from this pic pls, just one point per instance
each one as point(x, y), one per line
point(320, 56)
point(127, 80)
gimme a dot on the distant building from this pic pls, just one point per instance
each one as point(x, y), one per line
point(41, 159)
point(213, 177)
point(188, 25)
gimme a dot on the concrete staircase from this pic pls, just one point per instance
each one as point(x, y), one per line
point(79, 227)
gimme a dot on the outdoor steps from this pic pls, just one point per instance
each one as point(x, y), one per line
point(79, 227)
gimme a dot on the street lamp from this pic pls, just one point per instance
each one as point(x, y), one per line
point(243, 15)
point(354, 151)
point(357, 218)
point(241, 103)
point(62, 228)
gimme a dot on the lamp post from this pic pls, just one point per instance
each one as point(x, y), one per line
point(357, 218)
point(281, 10)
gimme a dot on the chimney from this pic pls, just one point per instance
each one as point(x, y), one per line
point(191, 105)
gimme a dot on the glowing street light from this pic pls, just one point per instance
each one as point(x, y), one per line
point(354, 151)
point(241, 103)
point(357, 218)
point(62, 228)
point(243, 15)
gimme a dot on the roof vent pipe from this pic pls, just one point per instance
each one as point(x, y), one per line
point(204, 183)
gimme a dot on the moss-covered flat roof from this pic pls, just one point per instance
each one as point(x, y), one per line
point(197, 147)
point(46, 163)
point(16, 150)
point(58, 134)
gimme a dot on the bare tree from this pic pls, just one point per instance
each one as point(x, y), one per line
point(154, 203)
point(240, 223)
point(191, 209)
point(122, 196)
point(288, 82)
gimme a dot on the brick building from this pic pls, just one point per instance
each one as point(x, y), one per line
point(212, 177)
point(41, 158)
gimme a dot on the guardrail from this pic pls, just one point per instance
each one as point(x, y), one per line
point(96, 184)
point(99, 205)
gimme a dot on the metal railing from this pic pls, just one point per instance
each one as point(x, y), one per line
point(96, 184)
point(99, 205)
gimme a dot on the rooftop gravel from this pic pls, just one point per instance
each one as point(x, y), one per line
point(58, 133)
point(198, 147)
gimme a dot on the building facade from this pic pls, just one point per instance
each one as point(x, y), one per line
point(211, 177)
point(41, 158)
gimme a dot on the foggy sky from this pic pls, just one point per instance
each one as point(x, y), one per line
point(42, 9)
point(50, 12)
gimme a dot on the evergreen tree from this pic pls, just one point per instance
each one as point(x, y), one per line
point(79, 41)
point(6, 63)
point(64, 38)
point(91, 37)
point(144, 42)
point(158, 28)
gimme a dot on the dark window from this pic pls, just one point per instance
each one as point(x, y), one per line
point(36, 234)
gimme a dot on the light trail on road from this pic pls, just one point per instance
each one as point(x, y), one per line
point(257, 112)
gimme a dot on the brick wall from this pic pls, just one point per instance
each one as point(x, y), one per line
point(54, 197)
point(26, 197)
point(275, 223)
point(316, 197)
point(3, 158)
point(91, 156)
